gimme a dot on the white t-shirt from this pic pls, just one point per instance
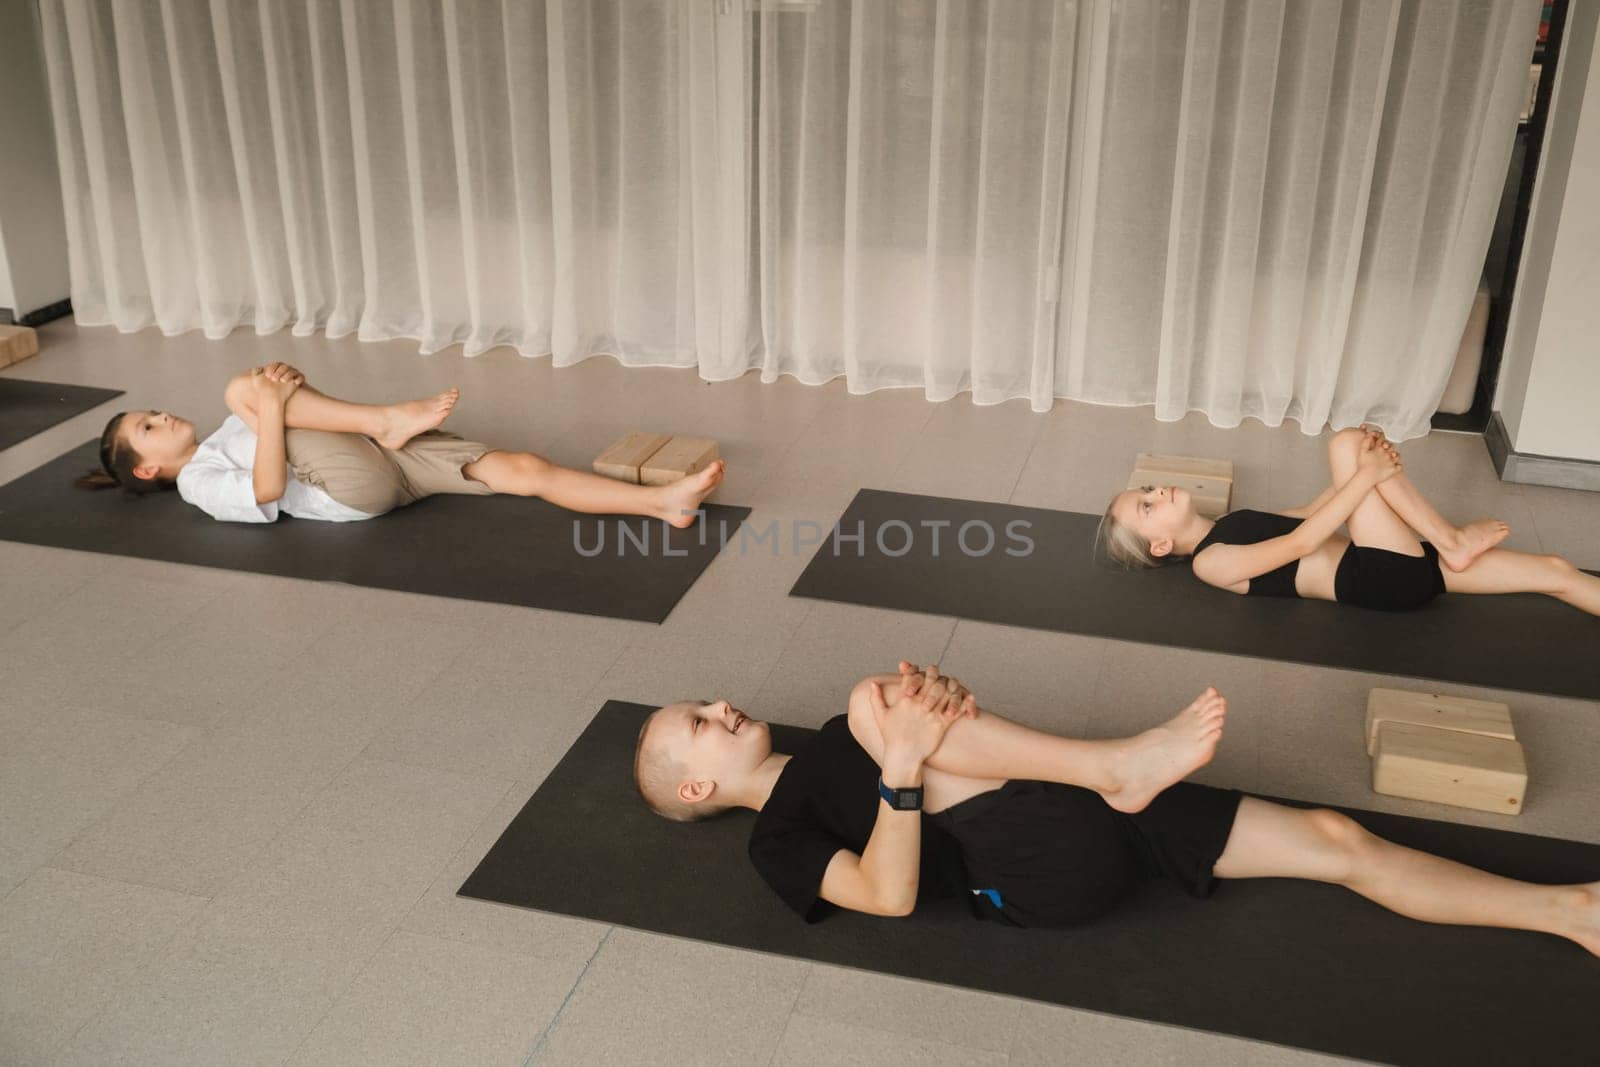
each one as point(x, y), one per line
point(219, 480)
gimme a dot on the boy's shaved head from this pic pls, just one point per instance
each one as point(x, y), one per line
point(657, 775)
point(696, 759)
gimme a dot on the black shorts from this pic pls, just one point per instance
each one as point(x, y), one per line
point(1387, 581)
point(1041, 854)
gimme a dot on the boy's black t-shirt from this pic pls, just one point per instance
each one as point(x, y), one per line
point(825, 800)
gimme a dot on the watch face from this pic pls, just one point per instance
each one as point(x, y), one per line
point(908, 799)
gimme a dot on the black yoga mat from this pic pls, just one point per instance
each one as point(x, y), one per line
point(505, 550)
point(1296, 963)
point(28, 407)
point(1054, 582)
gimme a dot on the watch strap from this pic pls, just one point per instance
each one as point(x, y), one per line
point(901, 799)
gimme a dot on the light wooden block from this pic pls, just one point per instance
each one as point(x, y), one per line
point(678, 457)
point(1209, 481)
point(1450, 767)
point(627, 454)
point(16, 343)
point(1441, 712)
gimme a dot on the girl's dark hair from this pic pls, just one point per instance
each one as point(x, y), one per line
point(117, 460)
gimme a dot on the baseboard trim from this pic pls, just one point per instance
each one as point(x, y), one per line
point(49, 313)
point(1525, 468)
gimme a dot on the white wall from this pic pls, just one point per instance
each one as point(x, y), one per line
point(7, 298)
point(1549, 392)
point(33, 229)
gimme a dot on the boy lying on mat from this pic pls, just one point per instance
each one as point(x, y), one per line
point(289, 448)
point(914, 793)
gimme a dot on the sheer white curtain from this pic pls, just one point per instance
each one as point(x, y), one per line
point(549, 176)
point(1269, 208)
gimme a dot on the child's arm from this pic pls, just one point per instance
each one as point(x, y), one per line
point(1305, 510)
point(269, 474)
point(883, 880)
point(1229, 565)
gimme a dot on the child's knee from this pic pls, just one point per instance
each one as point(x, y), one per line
point(1562, 573)
point(863, 724)
point(239, 393)
point(533, 471)
point(1345, 443)
point(1344, 841)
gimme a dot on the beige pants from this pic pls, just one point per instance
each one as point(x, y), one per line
point(362, 474)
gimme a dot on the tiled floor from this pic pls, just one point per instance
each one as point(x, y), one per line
point(236, 808)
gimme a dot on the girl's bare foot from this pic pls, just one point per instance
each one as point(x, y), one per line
point(1472, 541)
point(1585, 916)
point(682, 498)
point(1157, 758)
point(402, 422)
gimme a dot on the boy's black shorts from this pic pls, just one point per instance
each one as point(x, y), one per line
point(1054, 855)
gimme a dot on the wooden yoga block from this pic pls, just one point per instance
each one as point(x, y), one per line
point(678, 457)
point(1450, 767)
point(1210, 481)
point(627, 454)
point(1483, 717)
point(17, 342)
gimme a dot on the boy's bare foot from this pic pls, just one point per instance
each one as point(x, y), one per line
point(1157, 758)
point(682, 498)
point(402, 422)
point(1585, 916)
point(1472, 541)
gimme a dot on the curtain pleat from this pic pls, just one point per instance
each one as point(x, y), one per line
point(1271, 209)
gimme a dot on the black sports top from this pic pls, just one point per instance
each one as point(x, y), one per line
point(826, 799)
point(1250, 528)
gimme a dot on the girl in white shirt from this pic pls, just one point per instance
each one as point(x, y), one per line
point(288, 448)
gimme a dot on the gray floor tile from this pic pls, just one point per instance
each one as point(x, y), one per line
point(650, 999)
point(78, 652)
point(835, 647)
point(1568, 522)
point(213, 808)
point(425, 1000)
point(855, 440)
point(1051, 1035)
point(725, 635)
point(1080, 459)
point(369, 843)
point(33, 579)
point(808, 1039)
point(64, 768)
point(243, 985)
point(1045, 680)
point(970, 452)
point(239, 646)
point(510, 699)
point(441, 913)
point(276, 949)
point(68, 945)
point(937, 1013)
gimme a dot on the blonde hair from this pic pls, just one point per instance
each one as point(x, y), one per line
point(657, 778)
point(1123, 544)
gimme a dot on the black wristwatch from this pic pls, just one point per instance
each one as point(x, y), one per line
point(901, 799)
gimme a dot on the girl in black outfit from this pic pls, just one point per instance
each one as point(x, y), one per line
point(1400, 553)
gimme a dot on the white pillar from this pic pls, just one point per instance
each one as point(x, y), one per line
point(33, 229)
point(1548, 399)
